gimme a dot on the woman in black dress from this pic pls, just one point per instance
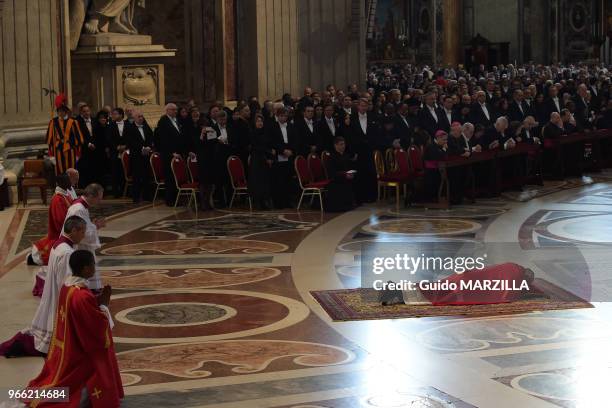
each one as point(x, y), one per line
point(262, 155)
point(196, 132)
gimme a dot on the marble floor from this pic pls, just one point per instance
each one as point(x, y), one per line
point(215, 309)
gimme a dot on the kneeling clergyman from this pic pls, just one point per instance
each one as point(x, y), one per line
point(82, 355)
point(35, 340)
point(41, 249)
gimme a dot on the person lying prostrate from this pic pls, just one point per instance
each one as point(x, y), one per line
point(503, 280)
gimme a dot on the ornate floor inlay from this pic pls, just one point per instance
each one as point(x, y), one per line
point(215, 309)
point(230, 225)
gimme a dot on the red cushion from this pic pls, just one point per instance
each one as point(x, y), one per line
point(189, 185)
point(318, 184)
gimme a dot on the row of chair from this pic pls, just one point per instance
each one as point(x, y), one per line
point(398, 169)
point(186, 177)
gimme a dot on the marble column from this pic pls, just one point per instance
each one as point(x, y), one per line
point(452, 49)
point(30, 60)
point(285, 45)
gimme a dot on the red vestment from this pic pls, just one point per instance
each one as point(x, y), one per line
point(81, 353)
point(57, 215)
point(510, 272)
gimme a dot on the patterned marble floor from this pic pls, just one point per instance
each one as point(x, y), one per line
point(215, 310)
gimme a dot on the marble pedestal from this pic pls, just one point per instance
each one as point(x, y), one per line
point(120, 70)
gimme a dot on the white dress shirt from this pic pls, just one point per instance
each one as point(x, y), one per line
point(363, 121)
point(331, 125)
point(433, 113)
point(283, 128)
point(88, 125)
point(121, 126)
point(449, 115)
point(310, 124)
point(175, 123)
point(556, 101)
point(485, 110)
point(142, 133)
point(223, 136)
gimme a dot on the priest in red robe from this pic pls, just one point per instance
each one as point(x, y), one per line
point(41, 249)
point(513, 276)
point(82, 356)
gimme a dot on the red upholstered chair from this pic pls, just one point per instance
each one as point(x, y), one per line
point(183, 184)
point(325, 156)
point(385, 180)
point(192, 165)
point(315, 166)
point(158, 174)
point(127, 171)
point(307, 184)
point(235, 168)
point(416, 161)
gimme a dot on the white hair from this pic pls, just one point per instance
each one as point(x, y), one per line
point(170, 106)
point(467, 125)
point(501, 119)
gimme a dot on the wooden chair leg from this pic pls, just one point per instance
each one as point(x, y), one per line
point(24, 195)
point(43, 195)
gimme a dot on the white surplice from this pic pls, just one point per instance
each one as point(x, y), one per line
point(57, 271)
point(91, 241)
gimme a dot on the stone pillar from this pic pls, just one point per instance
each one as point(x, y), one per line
point(30, 62)
point(285, 45)
point(452, 49)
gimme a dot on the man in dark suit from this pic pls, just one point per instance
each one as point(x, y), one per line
point(346, 107)
point(595, 94)
point(362, 135)
point(447, 114)
point(428, 117)
point(306, 132)
point(87, 163)
point(284, 139)
point(219, 145)
point(583, 108)
point(402, 126)
point(117, 145)
point(171, 143)
point(517, 111)
point(553, 102)
point(326, 129)
point(482, 113)
point(139, 138)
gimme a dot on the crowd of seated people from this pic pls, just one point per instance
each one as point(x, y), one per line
point(444, 113)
